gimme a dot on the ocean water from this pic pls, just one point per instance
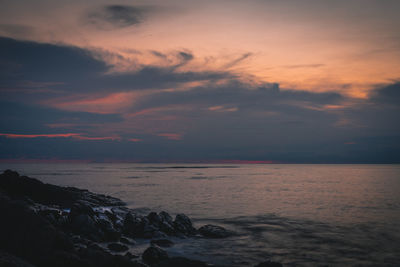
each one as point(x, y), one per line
point(299, 215)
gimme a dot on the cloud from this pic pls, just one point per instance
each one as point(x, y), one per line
point(116, 16)
point(64, 135)
point(219, 116)
point(298, 66)
point(238, 60)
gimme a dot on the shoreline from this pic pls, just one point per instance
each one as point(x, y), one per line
point(49, 225)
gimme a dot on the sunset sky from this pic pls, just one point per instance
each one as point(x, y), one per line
point(297, 81)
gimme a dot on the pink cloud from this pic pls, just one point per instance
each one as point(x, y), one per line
point(135, 140)
point(171, 136)
point(66, 135)
point(76, 136)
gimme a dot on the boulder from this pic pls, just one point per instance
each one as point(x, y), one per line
point(183, 224)
point(133, 226)
point(214, 231)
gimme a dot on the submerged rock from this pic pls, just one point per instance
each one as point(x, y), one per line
point(214, 231)
point(154, 255)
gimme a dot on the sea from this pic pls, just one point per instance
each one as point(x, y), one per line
point(298, 215)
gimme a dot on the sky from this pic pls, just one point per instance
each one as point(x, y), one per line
point(294, 81)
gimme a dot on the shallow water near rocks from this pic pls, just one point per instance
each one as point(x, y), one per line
point(295, 214)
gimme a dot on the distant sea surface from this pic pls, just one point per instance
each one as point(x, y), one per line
point(299, 215)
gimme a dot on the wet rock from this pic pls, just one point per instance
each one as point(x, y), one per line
point(133, 226)
point(183, 224)
point(165, 217)
point(105, 224)
point(127, 241)
point(214, 231)
point(117, 247)
point(167, 224)
point(154, 218)
point(269, 264)
point(86, 226)
point(81, 207)
point(154, 255)
point(162, 242)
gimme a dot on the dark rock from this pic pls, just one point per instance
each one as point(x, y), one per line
point(106, 225)
point(117, 247)
point(154, 218)
point(154, 255)
point(127, 241)
point(166, 225)
point(214, 231)
point(8, 260)
point(133, 225)
point(130, 256)
point(183, 224)
point(81, 207)
point(269, 264)
point(181, 262)
point(165, 217)
point(162, 242)
point(85, 225)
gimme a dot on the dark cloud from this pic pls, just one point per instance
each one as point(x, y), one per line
point(116, 16)
point(224, 118)
point(238, 60)
point(34, 119)
point(389, 94)
point(30, 61)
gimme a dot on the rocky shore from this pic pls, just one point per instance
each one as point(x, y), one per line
point(47, 225)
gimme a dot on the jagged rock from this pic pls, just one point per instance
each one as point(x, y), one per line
point(154, 255)
point(165, 217)
point(133, 225)
point(86, 226)
point(214, 231)
point(167, 224)
point(117, 247)
point(162, 242)
point(183, 224)
point(105, 224)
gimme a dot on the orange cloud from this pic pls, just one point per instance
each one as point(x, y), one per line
point(98, 104)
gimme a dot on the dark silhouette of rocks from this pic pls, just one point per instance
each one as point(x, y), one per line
point(48, 225)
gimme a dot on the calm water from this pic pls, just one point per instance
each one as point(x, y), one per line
point(296, 214)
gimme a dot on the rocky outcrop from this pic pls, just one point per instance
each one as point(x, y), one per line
point(48, 225)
